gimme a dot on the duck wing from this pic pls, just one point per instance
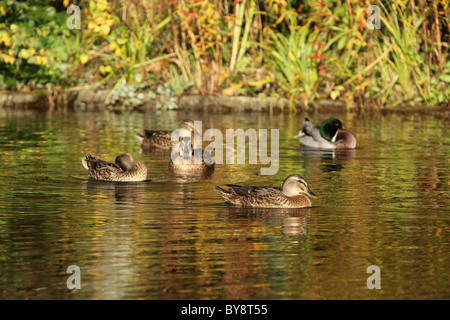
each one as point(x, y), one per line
point(157, 133)
point(310, 137)
point(94, 163)
point(310, 130)
point(254, 191)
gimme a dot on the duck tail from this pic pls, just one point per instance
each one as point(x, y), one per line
point(140, 137)
point(221, 191)
point(84, 161)
point(224, 193)
point(229, 196)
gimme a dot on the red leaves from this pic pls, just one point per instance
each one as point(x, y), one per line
point(321, 68)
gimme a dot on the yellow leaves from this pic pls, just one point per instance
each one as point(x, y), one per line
point(335, 93)
point(138, 77)
point(109, 22)
point(261, 82)
point(281, 18)
point(362, 86)
point(118, 46)
point(102, 28)
point(100, 20)
point(14, 27)
point(8, 58)
point(5, 38)
point(119, 51)
point(42, 32)
point(233, 89)
point(84, 58)
point(26, 53)
point(394, 8)
point(102, 5)
point(42, 61)
point(3, 11)
point(105, 69)
point(105, 29)
point(113, 46)
point(31, 55)
point(276, 5)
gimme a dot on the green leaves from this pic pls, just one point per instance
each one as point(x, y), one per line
point(34, 41)
point(290, 56)
point(445, 77)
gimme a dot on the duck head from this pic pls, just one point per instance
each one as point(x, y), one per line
point(125, 161)
point(329, 129)
point(295, 185)
point(187, 124)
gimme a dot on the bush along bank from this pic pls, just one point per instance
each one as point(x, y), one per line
point(135, 53)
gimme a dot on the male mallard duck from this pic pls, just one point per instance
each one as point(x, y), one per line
point(125, 169)
point(290, 195)
point(330, 135)
point(183, 160)
point(161, 139)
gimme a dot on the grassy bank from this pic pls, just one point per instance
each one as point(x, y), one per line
point(298, 50)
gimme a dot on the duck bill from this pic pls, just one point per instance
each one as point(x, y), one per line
point(311, 194)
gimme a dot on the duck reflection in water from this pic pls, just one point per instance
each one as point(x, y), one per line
point(293, 221)
point(330, 160)
point(128, 192)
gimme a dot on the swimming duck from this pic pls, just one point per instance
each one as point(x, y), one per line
point(182, 160)
point(125, 169)
point(161, 139)
point(330, 135)
point(291, 195)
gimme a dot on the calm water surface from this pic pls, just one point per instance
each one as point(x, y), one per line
point(387, 203)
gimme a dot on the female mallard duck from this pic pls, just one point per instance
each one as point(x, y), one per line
point(125, 169)
point(184, 157)
point(290, 195)
point(330, 135)
point(161, 139)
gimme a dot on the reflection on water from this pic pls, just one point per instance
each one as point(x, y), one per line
point(332, 160)
point(173, 237)
point(292, 221)
point(123, 192)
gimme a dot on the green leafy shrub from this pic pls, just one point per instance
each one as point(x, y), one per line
point(35, 43)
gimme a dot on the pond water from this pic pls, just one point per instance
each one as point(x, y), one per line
point(387, 203)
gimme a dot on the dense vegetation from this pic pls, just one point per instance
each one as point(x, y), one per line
point(300, 50)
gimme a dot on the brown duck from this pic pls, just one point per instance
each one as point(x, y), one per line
point(124, 169)
point(160, 140)
point(183, 161)
point(291, 195)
